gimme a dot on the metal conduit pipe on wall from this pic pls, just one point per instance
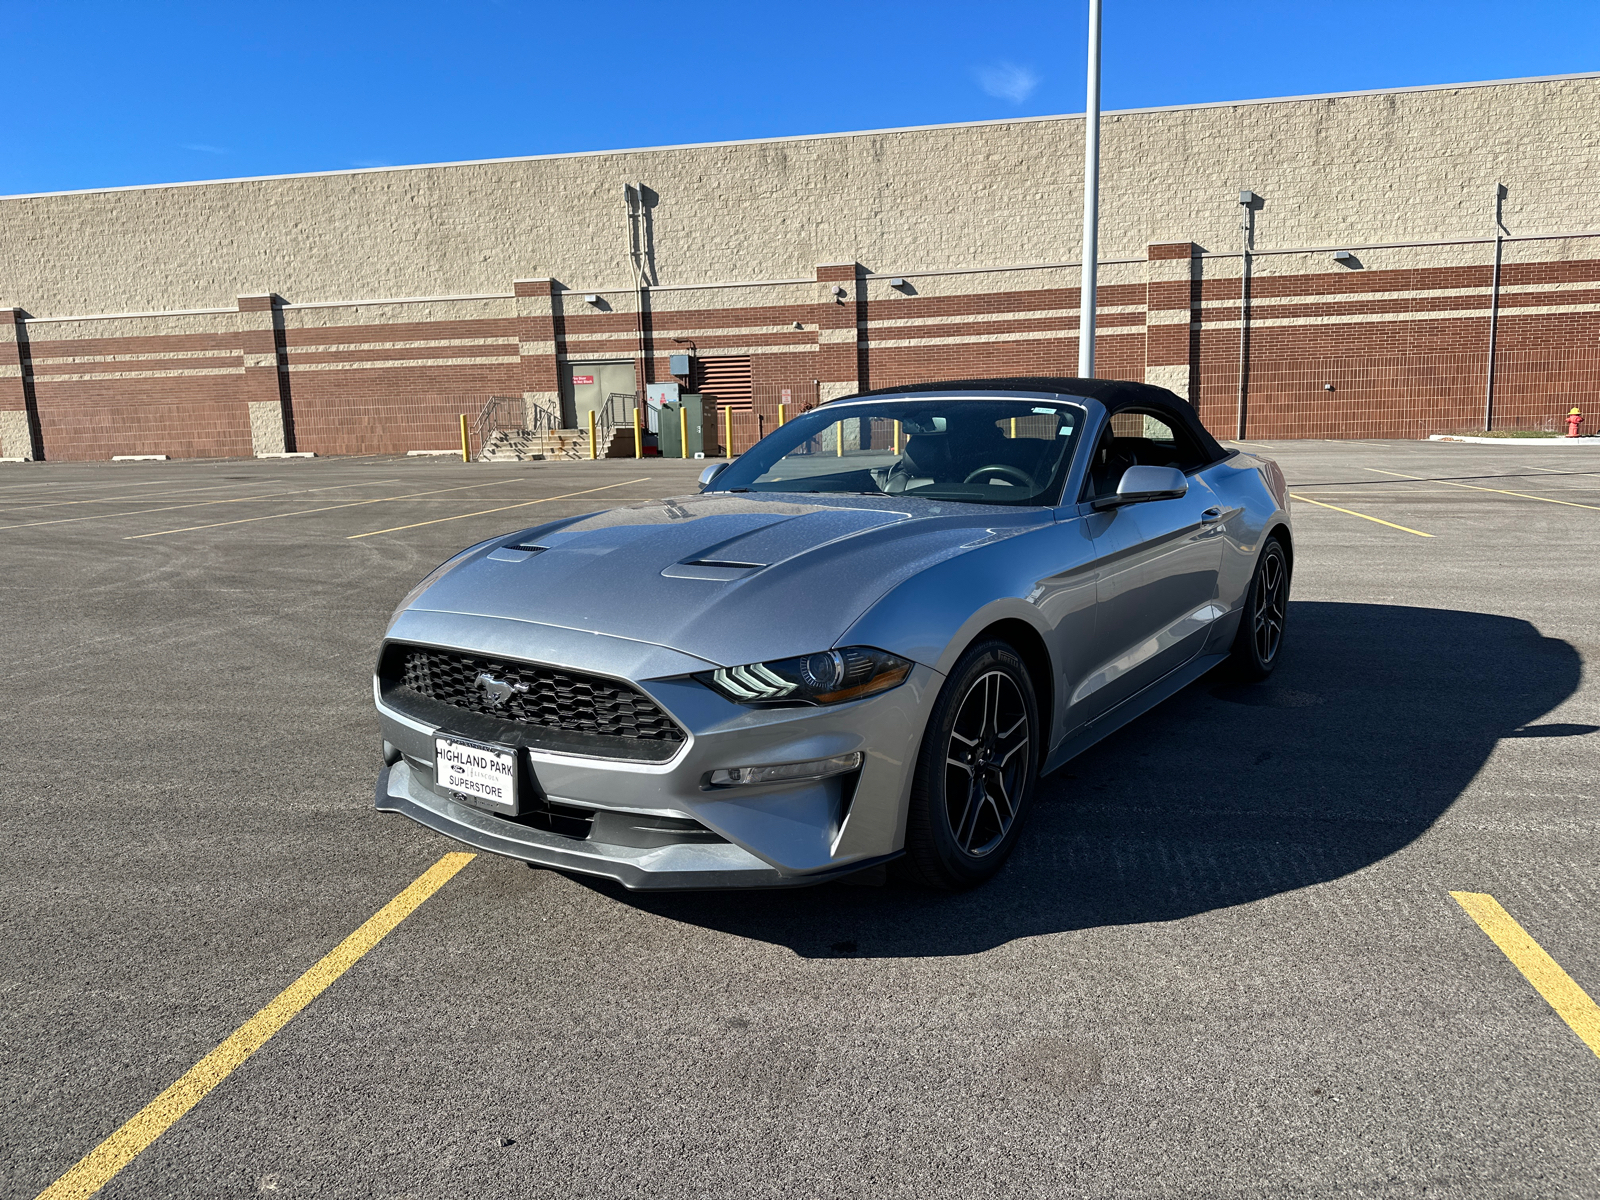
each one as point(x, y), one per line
point(1494, 307)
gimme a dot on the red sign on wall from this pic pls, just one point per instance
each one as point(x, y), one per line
point(577, 379)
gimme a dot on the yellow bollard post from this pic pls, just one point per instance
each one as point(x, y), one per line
point(727, 431)
point(897, 437)
point(593, 448)
point(466, 455)
point(838, 440)
point(638, 432)
point(1013, 427)
point(683, 430)
point(783, 415)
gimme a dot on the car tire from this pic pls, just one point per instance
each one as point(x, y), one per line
point(1259, 642)
point(975, 772)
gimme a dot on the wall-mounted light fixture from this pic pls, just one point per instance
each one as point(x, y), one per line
point(1249, 199)
point(1327, 387)
point(591, 298)
point(837, 289)
point(897, 283)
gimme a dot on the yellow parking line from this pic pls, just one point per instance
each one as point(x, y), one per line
point(197, 504)
point(1475, 488)
point(97, 1168)
point(1352, 513)
point(1571, 1002)
point(506, 508)
point(304, 512)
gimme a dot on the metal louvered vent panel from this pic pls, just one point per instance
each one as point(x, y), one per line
point(726, 381)
point(542, 697)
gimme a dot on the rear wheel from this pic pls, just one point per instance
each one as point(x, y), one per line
point(1260, 639)
point(975, 772)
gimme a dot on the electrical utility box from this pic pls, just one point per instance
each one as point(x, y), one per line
point(671, 444)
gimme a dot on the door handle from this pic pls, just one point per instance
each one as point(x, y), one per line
point(1211, 516)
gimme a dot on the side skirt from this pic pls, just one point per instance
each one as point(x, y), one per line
point(1133, 707)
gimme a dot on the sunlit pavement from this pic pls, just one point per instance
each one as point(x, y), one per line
point(1226, 960)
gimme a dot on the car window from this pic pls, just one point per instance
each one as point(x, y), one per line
point(977, 451)
point(1136, 437)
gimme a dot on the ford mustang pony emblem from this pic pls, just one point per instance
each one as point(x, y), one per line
point(497, 691)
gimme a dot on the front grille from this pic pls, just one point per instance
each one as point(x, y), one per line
point(544, 707)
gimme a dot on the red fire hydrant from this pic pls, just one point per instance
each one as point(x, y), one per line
point(1574, 419)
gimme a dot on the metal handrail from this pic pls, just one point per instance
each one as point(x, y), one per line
point(513, 415)
point(609, 417)
point(495, 416)
point(540, 419)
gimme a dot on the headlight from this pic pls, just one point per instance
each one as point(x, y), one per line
point(827, 677)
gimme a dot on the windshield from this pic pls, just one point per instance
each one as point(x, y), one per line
point(971, 451)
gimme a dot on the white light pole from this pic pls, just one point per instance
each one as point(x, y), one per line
point(1091, 201)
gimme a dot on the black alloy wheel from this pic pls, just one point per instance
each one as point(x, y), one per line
point(1266, 610)
point(976, 770)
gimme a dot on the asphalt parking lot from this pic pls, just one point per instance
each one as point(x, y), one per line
point(1225, 962)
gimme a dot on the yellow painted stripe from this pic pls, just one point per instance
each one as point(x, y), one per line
point(1571, 1002)
point(1352, 513)
point(1472, 487)
point(97, 1168)
point(504, 508)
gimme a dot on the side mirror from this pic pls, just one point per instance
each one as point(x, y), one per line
point(709, 475)
point(1146, 483)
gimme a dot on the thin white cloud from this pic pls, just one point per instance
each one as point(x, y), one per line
point(204, 149)
point(1008, 81)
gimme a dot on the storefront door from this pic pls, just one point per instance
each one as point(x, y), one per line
point(585, 387)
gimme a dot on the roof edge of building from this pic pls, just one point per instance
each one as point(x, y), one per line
point(806, 137)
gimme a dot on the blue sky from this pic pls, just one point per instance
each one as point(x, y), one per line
point(103, 94)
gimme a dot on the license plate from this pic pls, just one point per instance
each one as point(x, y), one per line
point(478, 774)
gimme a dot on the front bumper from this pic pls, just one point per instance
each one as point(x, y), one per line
point(776, 835)
point(686, 866)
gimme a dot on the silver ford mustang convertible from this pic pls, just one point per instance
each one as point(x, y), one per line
point(863, 640)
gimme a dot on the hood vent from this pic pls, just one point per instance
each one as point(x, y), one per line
point(714, 569)
point(515, 553)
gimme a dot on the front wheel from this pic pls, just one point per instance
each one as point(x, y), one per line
point(1266, 608)
point(975, 772)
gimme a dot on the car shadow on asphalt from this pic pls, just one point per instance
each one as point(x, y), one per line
point(1375, 722)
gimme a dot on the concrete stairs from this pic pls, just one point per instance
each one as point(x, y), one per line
point(522, 445)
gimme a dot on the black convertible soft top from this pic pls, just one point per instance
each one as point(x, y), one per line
point(1115, 394)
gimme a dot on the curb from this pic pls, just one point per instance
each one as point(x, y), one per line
point(1518, 442)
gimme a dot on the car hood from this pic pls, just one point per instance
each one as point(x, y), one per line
point(727, 578)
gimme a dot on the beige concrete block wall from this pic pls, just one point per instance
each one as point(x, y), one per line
point(377, 312)
point(266, 427)
point(1393, 166)
point(14, 439)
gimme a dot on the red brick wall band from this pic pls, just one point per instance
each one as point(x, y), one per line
point(1403, 351)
